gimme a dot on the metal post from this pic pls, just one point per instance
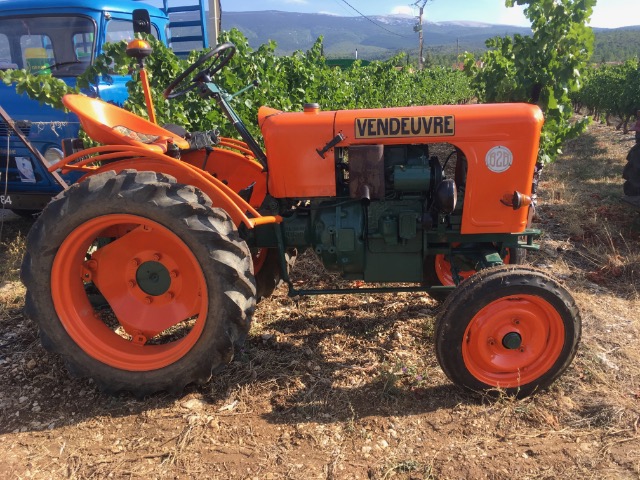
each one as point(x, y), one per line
point(421, 37)
point(418, 28)
point(214, 22)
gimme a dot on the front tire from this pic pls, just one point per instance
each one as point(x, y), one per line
point(438, 271)
point(176, 279)
point(509, 327)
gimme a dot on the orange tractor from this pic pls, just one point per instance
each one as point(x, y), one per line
point(145, 274)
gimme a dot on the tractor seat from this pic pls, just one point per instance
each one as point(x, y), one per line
point(111, 125)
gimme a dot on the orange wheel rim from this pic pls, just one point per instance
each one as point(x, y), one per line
point(155, 292)
point(513, 341)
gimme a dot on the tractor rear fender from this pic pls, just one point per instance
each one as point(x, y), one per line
point(235, 170)
point(220, 194)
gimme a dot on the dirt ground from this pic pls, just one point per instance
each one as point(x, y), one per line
point(348, 387)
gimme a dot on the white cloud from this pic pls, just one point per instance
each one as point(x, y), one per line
point(402, 10)
point(513, 16)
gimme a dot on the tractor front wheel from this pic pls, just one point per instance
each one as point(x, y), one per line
point(513, 328)
point(172, 278)
point(438, 271)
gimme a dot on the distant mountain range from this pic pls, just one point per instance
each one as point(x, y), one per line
point(393, 34)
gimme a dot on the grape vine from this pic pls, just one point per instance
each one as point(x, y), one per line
point(285, 83)
point(543, 68)
point(611, 91)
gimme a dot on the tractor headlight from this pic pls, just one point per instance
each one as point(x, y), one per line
point(53, 155)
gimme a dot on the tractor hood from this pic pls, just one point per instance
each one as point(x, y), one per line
point(500, 142)
point(293, 139)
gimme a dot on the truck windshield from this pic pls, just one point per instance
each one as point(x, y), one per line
point(61, 45)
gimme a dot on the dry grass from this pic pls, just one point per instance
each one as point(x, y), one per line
point(348, 386)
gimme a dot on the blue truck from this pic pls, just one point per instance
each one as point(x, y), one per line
point(48, 36)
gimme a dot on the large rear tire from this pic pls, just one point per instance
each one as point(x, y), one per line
point(174, 278)
point(513, 328)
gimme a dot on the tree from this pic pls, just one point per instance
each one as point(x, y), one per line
point(543, 68)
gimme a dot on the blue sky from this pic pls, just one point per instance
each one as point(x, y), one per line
point(608, 13)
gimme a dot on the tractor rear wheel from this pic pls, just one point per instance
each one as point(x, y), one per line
point(174, 279)
point(510, 327)
point(631, 172)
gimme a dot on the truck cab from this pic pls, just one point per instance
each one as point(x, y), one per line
point(61, 39)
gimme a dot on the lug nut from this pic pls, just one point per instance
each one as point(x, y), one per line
point(138, 338)
point(170, 295)
point(174, 274)
point(135, 262)
point(157, 257)
point(131, 283)
point(148, 300)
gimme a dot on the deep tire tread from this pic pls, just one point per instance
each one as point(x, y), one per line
point(224, 259)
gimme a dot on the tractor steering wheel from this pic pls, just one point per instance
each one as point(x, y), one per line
point(221, 56)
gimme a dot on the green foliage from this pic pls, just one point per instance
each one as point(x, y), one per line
point(611, 90)
point(616, 45)
point(285, 83)
point(43, 87)
point(543, 68)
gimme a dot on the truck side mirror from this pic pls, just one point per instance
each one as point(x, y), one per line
point(141, 21)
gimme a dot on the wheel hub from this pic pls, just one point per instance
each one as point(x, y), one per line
point(153, 278)
point(512, 341)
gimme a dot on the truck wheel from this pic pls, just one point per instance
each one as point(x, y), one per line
point(631, 172)
point(266, 263)
point(176, 279)
point(438, 270)
point(509, 327)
